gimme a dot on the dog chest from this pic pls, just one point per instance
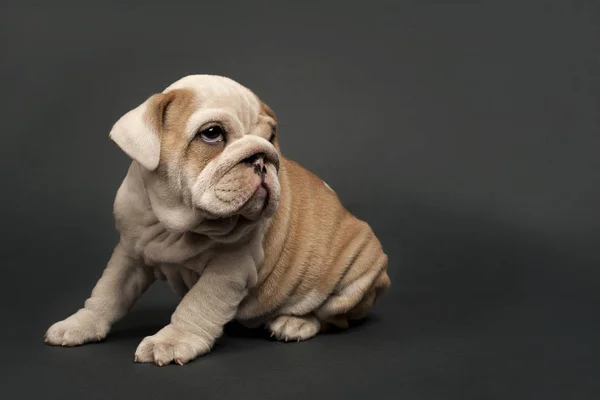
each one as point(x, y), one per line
point(170, 248)
point(179, 277)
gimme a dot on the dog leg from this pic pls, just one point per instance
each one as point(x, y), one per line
point(122, 283)
point(294, 328)
point(200, 317)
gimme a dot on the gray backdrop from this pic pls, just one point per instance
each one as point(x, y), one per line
point(465, 134)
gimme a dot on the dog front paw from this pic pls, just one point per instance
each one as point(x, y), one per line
point(82, 327)
point(172, 344)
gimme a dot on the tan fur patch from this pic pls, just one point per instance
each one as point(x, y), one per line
point(175, 149)
point(317, 255)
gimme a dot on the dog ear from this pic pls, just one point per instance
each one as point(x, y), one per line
point(268, 111)
point(138, 132)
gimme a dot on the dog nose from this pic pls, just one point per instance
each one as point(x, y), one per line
point(258, 163)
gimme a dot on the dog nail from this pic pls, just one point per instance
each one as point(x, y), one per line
point(135, 359)
point(160, 363)
point(178, 361)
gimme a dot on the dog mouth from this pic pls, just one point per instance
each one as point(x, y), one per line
point(255, 206)
point(262, 192)
point(243, 201)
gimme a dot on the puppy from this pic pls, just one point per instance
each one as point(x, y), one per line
point(211, 206)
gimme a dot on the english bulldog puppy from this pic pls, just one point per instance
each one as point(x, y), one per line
point(210, 205)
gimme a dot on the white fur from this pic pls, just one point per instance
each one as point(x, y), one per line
point(137, 137)
point(212, 264)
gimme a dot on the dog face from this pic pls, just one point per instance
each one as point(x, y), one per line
point(209, 145)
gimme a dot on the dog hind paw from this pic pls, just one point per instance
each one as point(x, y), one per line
point(294, 328)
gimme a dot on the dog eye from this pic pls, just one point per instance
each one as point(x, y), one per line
point(214, 134)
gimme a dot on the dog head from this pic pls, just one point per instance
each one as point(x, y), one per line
point(207, 145)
